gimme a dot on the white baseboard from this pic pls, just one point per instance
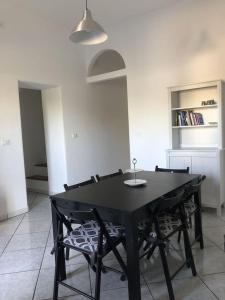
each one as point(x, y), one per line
point(13, 214)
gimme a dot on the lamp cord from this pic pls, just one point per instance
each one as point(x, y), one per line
point(86, 5)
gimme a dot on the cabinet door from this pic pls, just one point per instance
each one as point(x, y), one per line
point(210, 188)
point(179, 162)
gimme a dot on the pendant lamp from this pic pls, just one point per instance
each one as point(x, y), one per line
point(88, 32)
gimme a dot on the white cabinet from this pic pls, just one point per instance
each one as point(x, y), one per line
point(205, 162)
point(197, 136)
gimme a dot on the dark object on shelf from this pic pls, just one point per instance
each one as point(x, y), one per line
point(208, 102)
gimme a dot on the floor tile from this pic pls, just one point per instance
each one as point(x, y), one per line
point(8, 228)
point(215, 234)
point(27, 241)
point(10, 283)
point(209, 260)
point(210, 220)
point(152, 269)
point(78, 276)
point(49, 259)
point(23, 260)
point(109, 281)
point(27, 226)
point(38, 215)
point(185, 289)
point(4, 240)
point(122, 294)
point(216, 283)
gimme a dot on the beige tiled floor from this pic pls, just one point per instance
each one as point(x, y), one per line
point(27, 268)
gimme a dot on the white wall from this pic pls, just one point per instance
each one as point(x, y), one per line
point(55, 141)
point(32, 126)
point(178, 45)
point(108, 127)
point(12, 175)
point(34, 50)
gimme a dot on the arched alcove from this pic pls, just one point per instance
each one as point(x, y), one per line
point(108, 105)
point(106, 61)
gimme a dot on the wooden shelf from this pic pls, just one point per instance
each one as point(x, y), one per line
point(107, 76)
point(194, 126)
point(195, 107)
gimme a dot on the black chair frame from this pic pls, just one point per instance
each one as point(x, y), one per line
point(78, 185)
point(174, 205)
point(193, 190)
point(100, 178)
point(183, 171)
point(72, 187)
point(96, 263)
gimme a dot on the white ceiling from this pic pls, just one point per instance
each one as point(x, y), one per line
point(68, 12)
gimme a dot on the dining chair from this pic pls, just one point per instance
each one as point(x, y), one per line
point(191, 207)
point(94, 238)
point(100, 178)
point(184, 171)
point(68, 188)
point(80, 184)
point(166, 219)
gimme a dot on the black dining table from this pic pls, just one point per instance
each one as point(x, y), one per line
point(119, 203)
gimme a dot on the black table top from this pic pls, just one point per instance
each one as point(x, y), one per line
point(114, 194)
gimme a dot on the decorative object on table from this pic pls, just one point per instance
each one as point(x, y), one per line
point(133, 171)
point(135, 181)
point(88, 32)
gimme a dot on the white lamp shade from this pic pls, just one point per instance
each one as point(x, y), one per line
point(88, 32)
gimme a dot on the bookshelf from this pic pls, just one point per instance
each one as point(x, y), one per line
point(197, 135)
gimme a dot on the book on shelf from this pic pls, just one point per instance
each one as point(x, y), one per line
point(189, 118)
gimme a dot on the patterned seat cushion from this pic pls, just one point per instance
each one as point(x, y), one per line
point(85, 237)
point(167, 224)
point(190, 207)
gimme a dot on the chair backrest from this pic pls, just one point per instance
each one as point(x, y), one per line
point(184, 171)
point(65, 213)
point(100, 178)
point(78, 185)
point(167, 204)
point(194, 188)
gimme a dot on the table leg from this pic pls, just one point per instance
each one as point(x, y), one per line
point(133, 271)
point(62, 267)
point(198, 219)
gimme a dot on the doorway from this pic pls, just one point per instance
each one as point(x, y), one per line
point(34, 147)
point(43, 137)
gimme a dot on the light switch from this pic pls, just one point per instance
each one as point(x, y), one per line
point(74, 135)
point(4, 142)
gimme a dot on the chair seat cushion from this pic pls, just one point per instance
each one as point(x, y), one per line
point(190, 207)
point(85, 237)
point(167, 223)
